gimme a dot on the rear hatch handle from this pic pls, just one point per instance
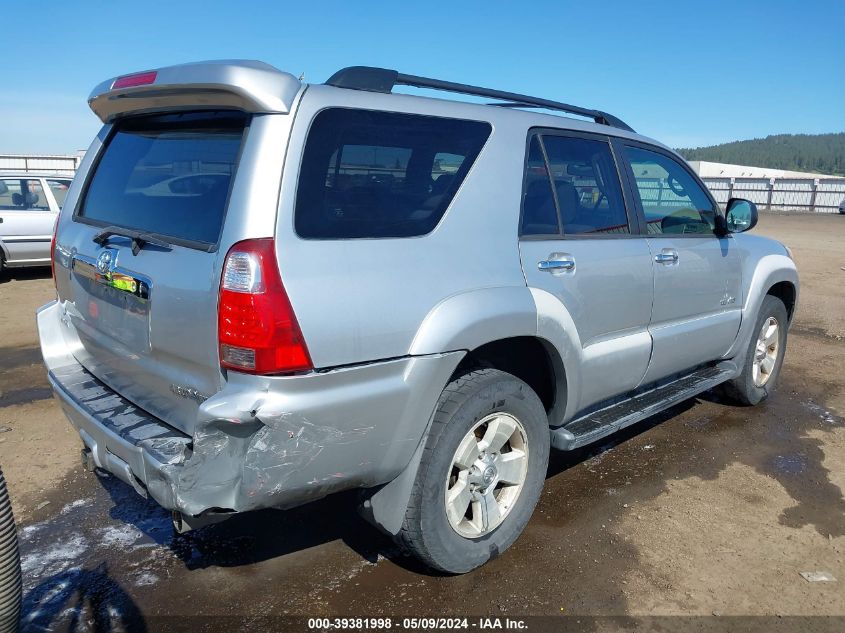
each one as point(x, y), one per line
point(139, 239)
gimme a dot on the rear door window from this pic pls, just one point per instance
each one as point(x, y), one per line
point(22, 194)
point(59, 188)
point(368, 174)
point(167, 175)
point(539, 213)
point(589, 194)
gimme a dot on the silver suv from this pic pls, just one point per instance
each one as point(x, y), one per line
point(268, 292)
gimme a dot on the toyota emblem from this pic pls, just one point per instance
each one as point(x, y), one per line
point(104, 262)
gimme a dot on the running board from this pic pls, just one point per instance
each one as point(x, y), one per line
point(598, 424)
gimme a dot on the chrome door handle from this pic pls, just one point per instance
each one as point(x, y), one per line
point(550, 265)
point(667, 256)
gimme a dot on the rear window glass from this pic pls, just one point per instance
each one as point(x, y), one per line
point(369, 174)
point(168, 175)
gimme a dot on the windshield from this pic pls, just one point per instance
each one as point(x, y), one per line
point(167, 174)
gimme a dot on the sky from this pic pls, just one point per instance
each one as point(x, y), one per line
point(687, 73)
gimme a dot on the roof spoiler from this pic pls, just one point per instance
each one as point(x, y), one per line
point(246, 85)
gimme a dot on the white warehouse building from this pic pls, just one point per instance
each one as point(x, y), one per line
point(725, 170)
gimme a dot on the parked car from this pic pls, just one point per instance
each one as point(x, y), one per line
point(842, 207)
point(29, 205)
point(340, 311)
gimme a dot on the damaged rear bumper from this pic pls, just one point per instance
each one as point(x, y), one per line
point(260, 441)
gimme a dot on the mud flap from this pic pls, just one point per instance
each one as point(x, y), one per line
point(385, 508)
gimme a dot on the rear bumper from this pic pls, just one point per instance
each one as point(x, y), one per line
point(259, 442)
point(124, 440)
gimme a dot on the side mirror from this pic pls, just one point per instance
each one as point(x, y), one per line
point(741, 215)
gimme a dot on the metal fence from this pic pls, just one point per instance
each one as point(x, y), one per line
point(44, 164)
point(813, 195)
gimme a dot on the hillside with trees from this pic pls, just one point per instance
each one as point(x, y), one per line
point(819, 153)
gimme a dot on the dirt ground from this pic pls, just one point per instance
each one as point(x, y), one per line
point(707, 509)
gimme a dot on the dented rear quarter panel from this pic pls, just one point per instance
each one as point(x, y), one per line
point(294, 439)
point(261, 441)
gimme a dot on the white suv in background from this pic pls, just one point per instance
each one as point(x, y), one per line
point(29, 205)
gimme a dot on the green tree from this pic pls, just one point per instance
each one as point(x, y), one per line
point(821, 153)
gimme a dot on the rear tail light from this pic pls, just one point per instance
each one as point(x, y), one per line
point(256, 327)
point(138, 79)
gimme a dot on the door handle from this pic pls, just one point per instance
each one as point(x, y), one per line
point(667, 256)
point(564, 264)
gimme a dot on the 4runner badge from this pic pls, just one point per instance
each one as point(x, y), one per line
point(188, 392)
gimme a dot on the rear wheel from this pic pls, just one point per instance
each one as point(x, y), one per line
point(764, 356)
point(481, 473)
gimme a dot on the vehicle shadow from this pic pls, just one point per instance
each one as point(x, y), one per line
point(262, 535)
point(25, 274)
point(255, 536)
point(81, 600)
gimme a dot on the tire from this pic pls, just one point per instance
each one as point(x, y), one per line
point(747, 389)
point(10, 565)
point(485, 403)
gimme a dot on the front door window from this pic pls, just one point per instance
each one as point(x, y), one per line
point(673, 202)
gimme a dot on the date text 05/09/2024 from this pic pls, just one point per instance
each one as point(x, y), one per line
point(416, 624)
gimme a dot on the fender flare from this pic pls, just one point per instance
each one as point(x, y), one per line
point(769, 270)
point(556, 326)
point(459, 323)
point(497, 313)
point(468, 320)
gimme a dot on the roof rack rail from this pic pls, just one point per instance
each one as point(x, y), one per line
point(383, 80)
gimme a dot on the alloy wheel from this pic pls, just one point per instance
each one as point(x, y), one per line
point(487, 475)
point(766, 352)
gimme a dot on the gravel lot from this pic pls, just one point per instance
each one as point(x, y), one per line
point(706, 509)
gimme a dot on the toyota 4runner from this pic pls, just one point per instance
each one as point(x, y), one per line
point(269, 291)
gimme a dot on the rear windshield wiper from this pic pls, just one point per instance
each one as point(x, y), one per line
point(139, 239)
